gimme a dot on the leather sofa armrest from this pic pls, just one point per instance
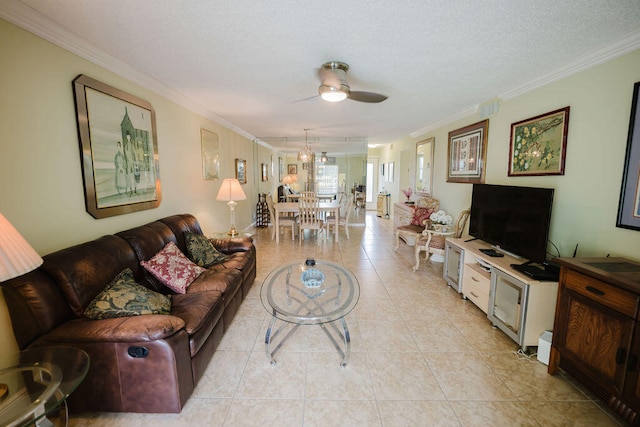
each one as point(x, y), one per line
point(234, 244)
point(123, 329)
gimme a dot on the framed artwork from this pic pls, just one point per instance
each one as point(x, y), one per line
point(280, 169)
point(118, 149)
point(629, 205)
point(241, 171)
point(538, 145)
point(265, 172)
point(391, 171)
point(273, 168)
point(210, 155)
point(467, 152)
point(382, 169)
point(292, 169)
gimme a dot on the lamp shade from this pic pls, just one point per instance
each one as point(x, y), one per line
point(230, 190)
point(17, 257)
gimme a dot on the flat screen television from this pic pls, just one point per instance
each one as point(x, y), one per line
point(514, 219)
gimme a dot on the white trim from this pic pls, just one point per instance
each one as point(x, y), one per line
point(33, 21)
point(624, 46)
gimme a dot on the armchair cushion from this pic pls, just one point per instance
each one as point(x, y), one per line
point(437, 242)
point(124, 297)
point(172, 268)
point(201, 251)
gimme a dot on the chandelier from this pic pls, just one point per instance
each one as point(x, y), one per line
point(305, 155)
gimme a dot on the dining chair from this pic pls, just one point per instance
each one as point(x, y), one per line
point(309, 217)
point(343, 218)
point(283, 220)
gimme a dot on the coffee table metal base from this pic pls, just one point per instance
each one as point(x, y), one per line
point(277, 337)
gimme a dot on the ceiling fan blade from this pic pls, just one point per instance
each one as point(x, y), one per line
point(306, 99)
point(366, 96)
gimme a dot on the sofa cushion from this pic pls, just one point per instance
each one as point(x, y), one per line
point(82, 272)
point(124, 297)
point(173, 268)
point(201, 251)
point(200, 311)
point(219, 279)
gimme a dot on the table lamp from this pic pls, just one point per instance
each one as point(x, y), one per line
point(17, 257)
point(230, 191)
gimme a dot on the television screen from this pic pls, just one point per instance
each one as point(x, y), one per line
point(515, 219)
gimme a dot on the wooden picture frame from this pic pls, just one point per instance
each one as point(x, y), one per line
point(538, 145)
point(241, 171)
point(292, 169)
point(629, 204)
point(265, 172)
point(118, 149)
point(210, 146)
point(466, 153)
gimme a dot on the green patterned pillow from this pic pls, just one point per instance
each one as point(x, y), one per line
point(124, 297)
point(201, 250)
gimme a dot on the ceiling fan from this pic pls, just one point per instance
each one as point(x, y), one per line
point(334, 86)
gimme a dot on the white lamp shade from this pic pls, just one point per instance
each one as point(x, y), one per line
point(230, 190)
point(17, 257)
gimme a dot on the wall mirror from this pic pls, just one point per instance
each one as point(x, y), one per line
point(424, 166)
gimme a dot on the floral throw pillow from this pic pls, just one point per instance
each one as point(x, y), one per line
point(124, 297)
point(172, 268)
point(201, 250)
point(420, 215)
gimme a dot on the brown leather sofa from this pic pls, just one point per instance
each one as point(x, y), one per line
point(148, 363)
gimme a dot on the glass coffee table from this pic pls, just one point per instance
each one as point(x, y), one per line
point(37, 381)
point(310, 292)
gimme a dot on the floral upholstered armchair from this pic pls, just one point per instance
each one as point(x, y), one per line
point(424, 207)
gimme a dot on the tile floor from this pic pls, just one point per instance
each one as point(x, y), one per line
point(421, 356)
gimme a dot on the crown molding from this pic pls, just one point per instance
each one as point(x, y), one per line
point(626, 45)
point(435, 125)
point(34, 22)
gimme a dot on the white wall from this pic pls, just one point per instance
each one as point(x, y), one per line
point(586, 196)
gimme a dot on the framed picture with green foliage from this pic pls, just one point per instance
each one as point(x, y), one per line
point(539, 144)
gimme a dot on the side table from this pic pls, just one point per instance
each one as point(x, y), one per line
point(38, 381)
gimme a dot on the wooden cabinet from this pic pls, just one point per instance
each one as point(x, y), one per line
point(476, 283)
point(596, 335)
point(382, 205)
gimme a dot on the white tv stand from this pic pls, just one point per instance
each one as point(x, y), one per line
point(521, 307)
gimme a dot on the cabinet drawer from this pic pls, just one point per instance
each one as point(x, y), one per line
point(615, 298)
point(476, 285)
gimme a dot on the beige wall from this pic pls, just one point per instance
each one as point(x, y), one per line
point(586, 196)
point(41, 190)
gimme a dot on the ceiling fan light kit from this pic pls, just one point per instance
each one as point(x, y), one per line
point(332, 94)
point(334, 86)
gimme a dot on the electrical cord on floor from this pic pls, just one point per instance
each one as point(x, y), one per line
point(521, 355)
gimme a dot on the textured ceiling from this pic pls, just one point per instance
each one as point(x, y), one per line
point(254, 63)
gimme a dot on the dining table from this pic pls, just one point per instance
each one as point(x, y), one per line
point(293, 207)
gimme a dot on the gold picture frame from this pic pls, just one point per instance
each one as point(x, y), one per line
point(241, 171)
point(467, 151)
point(538, 145)
point(118, 148)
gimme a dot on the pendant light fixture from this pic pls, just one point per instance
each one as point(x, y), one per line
point(304, 156)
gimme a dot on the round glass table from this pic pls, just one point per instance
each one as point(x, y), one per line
point(35, 382)
point(309, 292)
